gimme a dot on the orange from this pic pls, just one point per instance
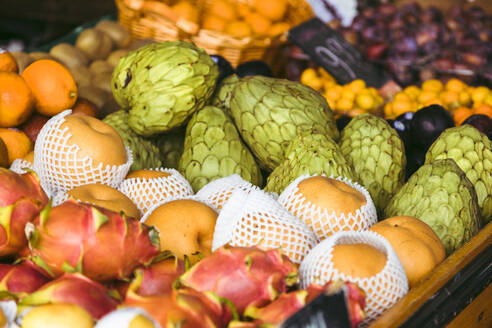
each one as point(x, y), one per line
point(259, 23)
point(7, 62)
point(483, 109)
point(16, 100)
point(238, 29)
point(455, 85)
point(273, 9)
point(432, 85)
point(17, 142)
point(224, 9)
point(214, 23)
point(243, 9)
point(53, 86)
point(186, 10)
point(461, 114)
point(278, 28)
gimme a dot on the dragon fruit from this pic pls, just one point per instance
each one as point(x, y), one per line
point(184, 308)
point(18, 280)
point(248, 276)
point(21, 200)
point(74, 288)
point(97, 242)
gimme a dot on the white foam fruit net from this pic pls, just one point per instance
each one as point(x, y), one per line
point(146, 192)
point(323, 221)
point(218, 192)
point(59, 197)
point(255, 218)
point(19, 165)
point(61, 168)
point(382, 290)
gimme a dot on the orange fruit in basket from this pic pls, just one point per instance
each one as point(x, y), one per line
point(185, 10)
point(17, 142)
point(7, 62)
point(273, 9)
point(461, 114)
point(483, 109)
point(224, 9)
point(53, 86)
point(238, 29)
point(214, 23)
point(243, 9)
point(16, 100)
point(259, 23)
point(278, 28)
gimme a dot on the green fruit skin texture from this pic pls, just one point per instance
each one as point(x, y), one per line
point(472, 151)
point(377, 154)
point(309, 154)
point(145, 153)
point(441, 195)
point(270, 112)
point(213, 149)
point(163, 84)
point(223, 93)
point(171, 145)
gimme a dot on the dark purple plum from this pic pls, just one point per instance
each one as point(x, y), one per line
point(225, 67)
point(254, 67)
point(342, 122)
point(402, 125)
point(428, 123)
point(481, 122)
point(415, 159)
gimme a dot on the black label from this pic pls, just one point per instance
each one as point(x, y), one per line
point(325, 311)
point(329, 49)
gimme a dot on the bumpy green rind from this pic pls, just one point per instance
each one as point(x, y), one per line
point(309, 154)
point(472, 151)
point(162, 84)
point(270, 112)
point(146, 155)
point(171, 145)
point(213, 149)
point(441, 195)
point(377, 154)
point(223, 93)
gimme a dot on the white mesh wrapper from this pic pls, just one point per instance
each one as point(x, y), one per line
point(255, 218)
point(60, 168)
point(19, 164)
point(383, 290)
point(218, 192)
point(145, 192)
point(122, 318)
point(59, 197)
point(322, 221)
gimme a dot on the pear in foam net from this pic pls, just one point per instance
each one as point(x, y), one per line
point(328, 205)
point(147, 188)
point(75, 149)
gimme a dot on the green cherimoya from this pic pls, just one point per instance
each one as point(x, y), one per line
point(440, 194)
point(309, 154)
point(377, 154)
point(162, 84)
point(472, 151)
point(171, 146)
point(145, 153)
point(270, 112)
point(213, 149)
point(223, 93)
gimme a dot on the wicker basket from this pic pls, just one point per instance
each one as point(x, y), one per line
point(148, 24)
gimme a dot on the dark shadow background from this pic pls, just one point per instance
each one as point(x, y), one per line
point(32, 23)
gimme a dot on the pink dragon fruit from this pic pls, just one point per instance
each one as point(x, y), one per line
point(18, 280)
point(248, 276)
point(74, 288)
point(21, 200)
point(97, 242)
point(184, 308)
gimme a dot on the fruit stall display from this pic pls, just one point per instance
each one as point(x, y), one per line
point(124, 210)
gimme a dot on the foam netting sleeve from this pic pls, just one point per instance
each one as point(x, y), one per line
point(255, 218)
point(19, 165)
point(218, 192)
point(145, 192)
point(59, 166)
point(382, 290)
point(123, 317)
point(322, 221)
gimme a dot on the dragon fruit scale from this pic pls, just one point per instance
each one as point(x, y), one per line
point(74, 288)
point(94, 241)
point(21, 200)
point(248, 276)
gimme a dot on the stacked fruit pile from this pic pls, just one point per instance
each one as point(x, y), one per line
point(157, 238)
